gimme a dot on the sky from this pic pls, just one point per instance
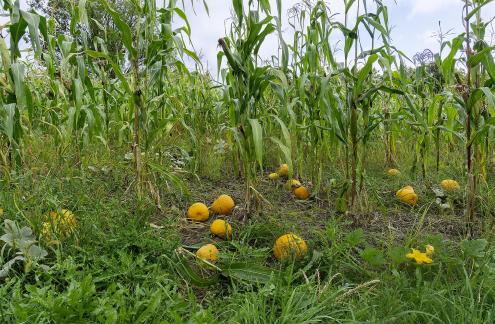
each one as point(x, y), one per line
point(413, 22)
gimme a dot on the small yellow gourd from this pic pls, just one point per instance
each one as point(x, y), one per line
point(301, 193)
point(283, 170)
point(289, 245)
point(58, 223)
point(407, 195)
point(221, 228)
point(198, 212)
point(449, 184)
point(393, 172)
point(223, 205)
point(292, 184)
point(208, 252)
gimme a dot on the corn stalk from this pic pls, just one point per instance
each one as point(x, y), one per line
point(245, 84)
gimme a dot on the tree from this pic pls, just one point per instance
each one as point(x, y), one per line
point(100, 23)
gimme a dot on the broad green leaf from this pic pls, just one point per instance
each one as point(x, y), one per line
point(448, 62)
point(373, 256)
point(363, 74)
point(365, 71)
point(33, 21)
point(16, 31)
point(83, 14)
point(237, 4)
point(287, 154)
point(257, 132)
point(183, 269)
point(265, 5)
point(355, 237)
point(170, 176)
point(285, 132)
point(78, 90)
point(9, 120)
point(17, 70)
point(248, 272)
point(474, 248)
point(378, 26)
point(476, 9)
point(489, 65)
point(490, 100)
point(348, 5)
point(4, 52)
point(115, 68)
point(182, 15)
point(398, 254)
point(476, 59)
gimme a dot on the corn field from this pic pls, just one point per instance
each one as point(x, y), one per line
point(138, 184)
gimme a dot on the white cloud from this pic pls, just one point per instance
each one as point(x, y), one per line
point(206, 30)
point(413, 23)
point(422, 7)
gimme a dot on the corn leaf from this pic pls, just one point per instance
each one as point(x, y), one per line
point(115, 68)
point(286, 152)
point(257, 132)
point(448, 62)
point(476, 9)
point(248, 272)
point(183, 269)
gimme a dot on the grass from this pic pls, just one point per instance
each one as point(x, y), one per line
point(118, 268)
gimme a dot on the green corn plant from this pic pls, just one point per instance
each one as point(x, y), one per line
point(388, 135)
point(317, 87)
point(16, 99)
point(152, 49)
point(445, 101)
point(425, 107)
point(321, 87)
point(361, 86)
point(245, 83)
point(201, 103)
point(473, 96)
point(477, 95)
point(69, 112)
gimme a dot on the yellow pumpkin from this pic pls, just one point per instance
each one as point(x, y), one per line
point(60, 223)
point(289, 245)
point(407, 195)
point(223, 205)
point(449, 184)
point(47, 232)
point(65, 217)
point(301, 193)
point(393, 172)
point(208, 252)
point(292, 184)
point(283, 170)
point(274, 176)
point(221, 228)
point(198, 212)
